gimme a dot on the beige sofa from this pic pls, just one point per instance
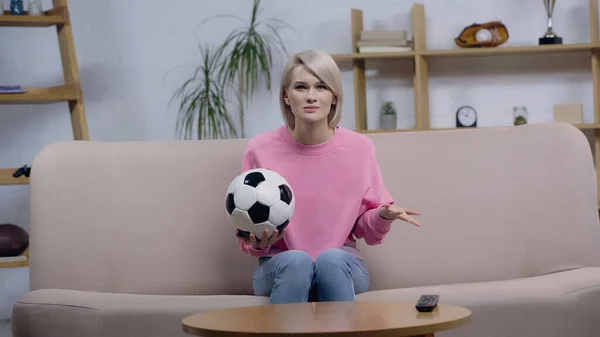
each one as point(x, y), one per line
point(129, 238)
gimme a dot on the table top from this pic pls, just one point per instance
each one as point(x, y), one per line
point(379, 319)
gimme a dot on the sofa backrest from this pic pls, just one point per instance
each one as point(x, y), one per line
point(136, 217)
point(497, 203)
point(148, 217)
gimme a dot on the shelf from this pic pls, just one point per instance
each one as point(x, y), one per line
point(14, 264)
point(56, 94)
point(374, 56)
point(547, 49)
point(17, 264)
point(6, 177)
point(421, 56)
point(519, 50)
point(579, 126)
point(49, 18)
point(389, 130)
point(587, 126)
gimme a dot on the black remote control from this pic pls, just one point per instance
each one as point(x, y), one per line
point(427, 303)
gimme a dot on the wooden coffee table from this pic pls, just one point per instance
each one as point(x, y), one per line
point(315, 319)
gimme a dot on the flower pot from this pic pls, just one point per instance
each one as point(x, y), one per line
point(388, 122)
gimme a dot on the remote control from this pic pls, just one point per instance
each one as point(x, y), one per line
point(427, 303)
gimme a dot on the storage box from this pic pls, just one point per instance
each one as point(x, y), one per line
point(568, 113)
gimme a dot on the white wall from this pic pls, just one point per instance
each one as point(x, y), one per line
point(130, 53)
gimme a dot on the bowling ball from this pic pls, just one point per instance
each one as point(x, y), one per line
point(14, 240)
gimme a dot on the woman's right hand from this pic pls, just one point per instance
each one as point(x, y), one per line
point(262, 244)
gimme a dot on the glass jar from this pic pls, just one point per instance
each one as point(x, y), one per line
point(35, 7)
point(520, 115)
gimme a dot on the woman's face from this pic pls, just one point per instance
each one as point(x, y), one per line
point(308, 97)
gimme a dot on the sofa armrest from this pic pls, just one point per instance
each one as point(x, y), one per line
point(59, 312)
point(56, 313)
point(558, 304)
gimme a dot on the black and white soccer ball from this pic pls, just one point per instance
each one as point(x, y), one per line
point(258, 199)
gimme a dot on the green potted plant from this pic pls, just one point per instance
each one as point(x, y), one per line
point(388, 116)
point(520, 115)
point(236, 67)
point(520, 120)
point(202, 109)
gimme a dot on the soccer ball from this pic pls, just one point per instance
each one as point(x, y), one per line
point(258, 199)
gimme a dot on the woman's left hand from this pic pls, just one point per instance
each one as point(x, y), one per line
point(393, 212)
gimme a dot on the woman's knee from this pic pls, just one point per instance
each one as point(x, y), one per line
point(332, 258)
point(294, 259)
point(339, 271)
point(293, 268)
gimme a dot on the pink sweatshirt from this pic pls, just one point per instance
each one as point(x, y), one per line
point(337, 186)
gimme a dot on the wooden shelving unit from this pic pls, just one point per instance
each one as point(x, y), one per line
point(579, 126)
point(69, 91)
point(420, 56)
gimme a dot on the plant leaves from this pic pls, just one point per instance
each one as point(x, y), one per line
point(203, 102)
point(236, 66)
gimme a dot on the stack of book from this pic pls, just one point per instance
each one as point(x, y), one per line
point(380, 41)
point(12, 89)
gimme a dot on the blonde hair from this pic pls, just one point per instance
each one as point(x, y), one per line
point(323, 67)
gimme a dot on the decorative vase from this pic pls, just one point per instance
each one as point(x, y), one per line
point(388, 121)
point(16, 7)
point(35, 7)
point(388, 116)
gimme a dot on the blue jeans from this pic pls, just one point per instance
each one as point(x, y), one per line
point(291, 276)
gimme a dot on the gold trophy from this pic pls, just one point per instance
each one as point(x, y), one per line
point(550, 37)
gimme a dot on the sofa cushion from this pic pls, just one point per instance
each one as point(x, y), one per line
point(558, 304)
point(59, 312)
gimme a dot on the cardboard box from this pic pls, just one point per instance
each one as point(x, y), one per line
point(568, 113)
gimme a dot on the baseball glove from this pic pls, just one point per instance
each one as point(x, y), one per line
point(468, 36)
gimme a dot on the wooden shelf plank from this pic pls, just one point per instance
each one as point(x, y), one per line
point(579, 126)
point(14, 264)
point(373, 56)
point(49, 18)
point(17, 264)
point(56, 94)
point(587, 126)
point(386, 130)
point(547, 49)
point(6, 177)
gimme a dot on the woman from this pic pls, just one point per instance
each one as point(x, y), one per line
point(338, 188)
